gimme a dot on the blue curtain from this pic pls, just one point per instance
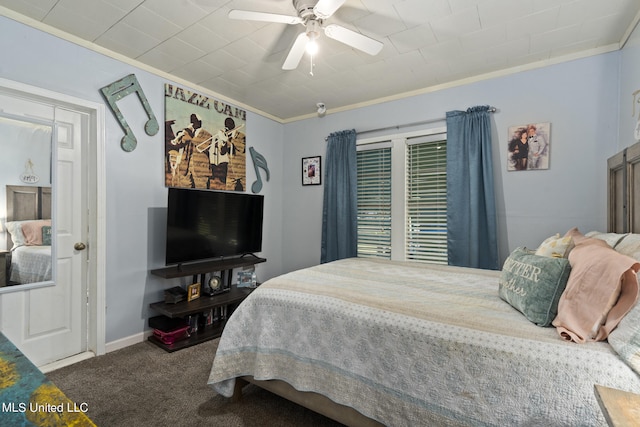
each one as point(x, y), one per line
point(471, 210)
point(340, 206)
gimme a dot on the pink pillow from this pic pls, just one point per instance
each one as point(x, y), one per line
point(576, 235)
point(32, 231)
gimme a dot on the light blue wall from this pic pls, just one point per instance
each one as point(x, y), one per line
point(136, 195)
point(580, 100)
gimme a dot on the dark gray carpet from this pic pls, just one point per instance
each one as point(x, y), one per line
point(142, 385)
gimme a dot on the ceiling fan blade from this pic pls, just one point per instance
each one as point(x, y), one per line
point(325, 8)
point(265, 17)
point(296, 52)
point(353, 39)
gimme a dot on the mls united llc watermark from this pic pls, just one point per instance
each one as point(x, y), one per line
point(22, 407)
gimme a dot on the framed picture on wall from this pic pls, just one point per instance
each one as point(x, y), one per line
point(205, 142)
point(311, 172)
point(529, 146)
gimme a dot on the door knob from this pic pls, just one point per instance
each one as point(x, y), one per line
point(79, 246)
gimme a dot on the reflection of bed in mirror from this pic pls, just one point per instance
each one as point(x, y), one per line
point(28, 227)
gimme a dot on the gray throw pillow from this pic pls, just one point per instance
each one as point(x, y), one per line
point(533, 284)
point(46, 235)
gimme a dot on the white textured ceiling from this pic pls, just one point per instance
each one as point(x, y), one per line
point(427, 43)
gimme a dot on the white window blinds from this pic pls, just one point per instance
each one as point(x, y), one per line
point(374, 203)
point(426, 199)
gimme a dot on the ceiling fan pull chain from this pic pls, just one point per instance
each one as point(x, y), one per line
point(311, 70)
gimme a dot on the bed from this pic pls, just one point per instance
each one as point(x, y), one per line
point(29, 233)
point(373, 342)
point(408, 344)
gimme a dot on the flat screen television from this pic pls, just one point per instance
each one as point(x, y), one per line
point(205, 224)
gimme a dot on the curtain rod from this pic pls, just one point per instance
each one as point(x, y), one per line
point(397, 127)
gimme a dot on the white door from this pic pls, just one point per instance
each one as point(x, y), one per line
point(50, 323)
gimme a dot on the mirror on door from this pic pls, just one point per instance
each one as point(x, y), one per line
point(26, 223)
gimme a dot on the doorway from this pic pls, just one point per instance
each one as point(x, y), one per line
point(58, 323)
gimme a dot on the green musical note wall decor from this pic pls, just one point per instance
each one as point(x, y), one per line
point(258, 162)
point(118, 90)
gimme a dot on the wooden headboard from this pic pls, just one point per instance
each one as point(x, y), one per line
point(26, 202)
point(624, 181)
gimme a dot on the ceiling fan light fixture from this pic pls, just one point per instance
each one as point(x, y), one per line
point(311, 14)
point(313, 32)
point(312, 46)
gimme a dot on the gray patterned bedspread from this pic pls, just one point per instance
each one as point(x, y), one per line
point(411, 344)
point(31, 264)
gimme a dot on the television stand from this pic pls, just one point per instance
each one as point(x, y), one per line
point(224, 303)
point(191, 269)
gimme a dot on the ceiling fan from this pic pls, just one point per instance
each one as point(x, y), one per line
point(311, 14)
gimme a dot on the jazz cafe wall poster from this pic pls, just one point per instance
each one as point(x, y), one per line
point(529, 147)
point(204, 142)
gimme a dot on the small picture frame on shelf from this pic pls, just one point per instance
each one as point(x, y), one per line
point(193, 291)
point(311, 170)
point(245, 279)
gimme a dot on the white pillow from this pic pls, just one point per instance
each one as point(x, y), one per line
point(556, 246)
point(612, 239)
point(629, 246)
point(15, 229)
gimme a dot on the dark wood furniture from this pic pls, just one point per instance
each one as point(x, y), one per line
point(25, 203)
point(5, 264)
point(227, 301)
point(623, 183)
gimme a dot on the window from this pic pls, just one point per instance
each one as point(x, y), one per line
point(426, 199)
point(374, 203)
point(402, 198)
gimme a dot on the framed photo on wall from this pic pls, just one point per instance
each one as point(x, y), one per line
point(311, 173)
point(529, 146)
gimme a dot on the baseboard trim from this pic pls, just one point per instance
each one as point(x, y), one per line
point(127, 341)
point(109, 347)
point(66, 362)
